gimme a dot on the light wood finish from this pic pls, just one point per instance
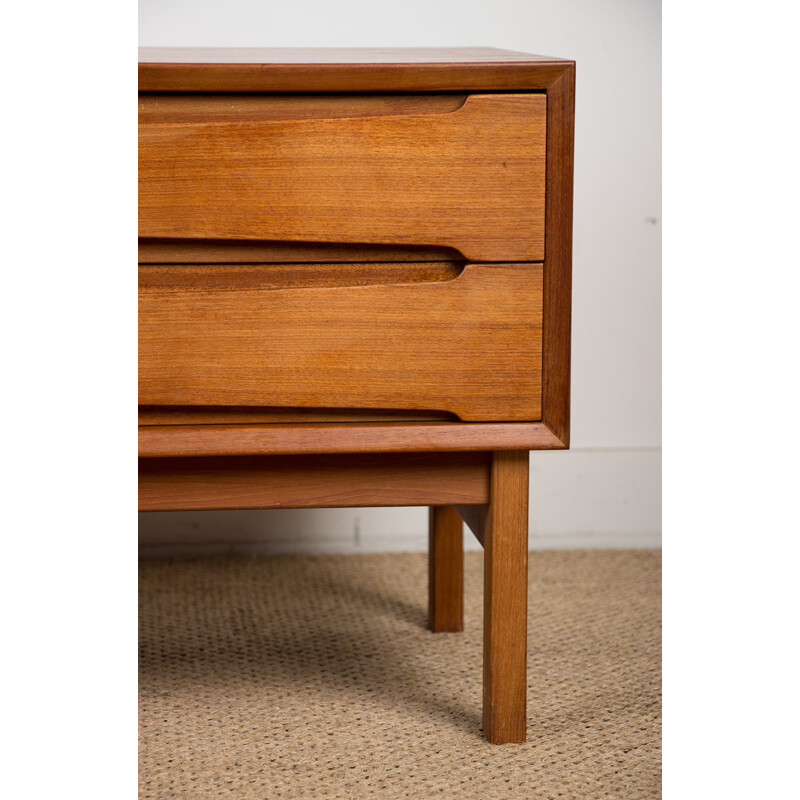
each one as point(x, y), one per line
point(403, 479)
point(506, 599)
point(471, 179)
point(344, 70)
point(445, 570)
point(470, 346)
point(162, 441)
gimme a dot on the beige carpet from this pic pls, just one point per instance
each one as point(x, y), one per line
point(314, 677)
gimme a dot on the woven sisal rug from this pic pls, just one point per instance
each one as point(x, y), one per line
point(315, 677)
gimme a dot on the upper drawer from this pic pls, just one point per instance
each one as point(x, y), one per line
point(460, 171)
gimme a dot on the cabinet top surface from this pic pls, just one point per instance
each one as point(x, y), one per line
point(253, 69)
point(335, 55)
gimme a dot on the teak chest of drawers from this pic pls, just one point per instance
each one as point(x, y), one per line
point(354, 290)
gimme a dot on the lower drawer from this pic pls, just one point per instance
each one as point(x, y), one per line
point(448, 338)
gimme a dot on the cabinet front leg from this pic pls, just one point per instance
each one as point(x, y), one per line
point(505, 615)
point(445, 570)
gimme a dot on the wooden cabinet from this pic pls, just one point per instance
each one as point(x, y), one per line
point(354, 289)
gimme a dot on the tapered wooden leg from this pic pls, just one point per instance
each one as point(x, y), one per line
point(505, 615)
point(445, 570)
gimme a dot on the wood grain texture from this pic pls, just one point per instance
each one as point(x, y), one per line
point(343, 70)
point(470, 346)
point(472, 179)
point(558, 260)
point(445, 570)
point(313, 481)
point(163, 441)
point(506, 600)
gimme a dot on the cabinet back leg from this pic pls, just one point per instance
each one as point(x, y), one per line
point(445, 570)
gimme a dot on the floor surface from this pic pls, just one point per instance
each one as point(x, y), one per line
point(315, 677)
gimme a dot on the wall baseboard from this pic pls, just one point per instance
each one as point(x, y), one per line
point(579, 499)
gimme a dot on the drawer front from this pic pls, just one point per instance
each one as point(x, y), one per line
point(467, 341)
point(443, 171)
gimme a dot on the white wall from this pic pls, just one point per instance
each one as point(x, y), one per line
point(606, 490)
